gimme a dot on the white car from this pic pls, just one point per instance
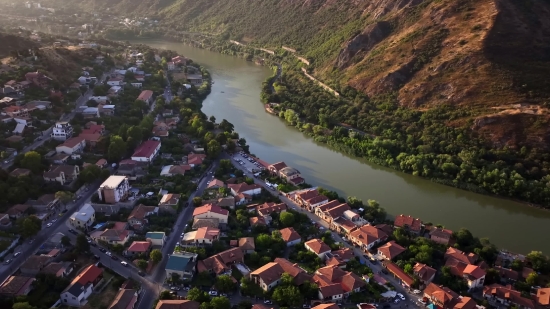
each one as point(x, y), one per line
point(54, 220)
point(108, 253)
point(124, 264)
point(401, 296)
point(213, 293)
point(268, 302)
point(49, 225)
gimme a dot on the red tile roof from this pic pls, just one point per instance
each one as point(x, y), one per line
point(391, 250)
point(139, 246)
point(399, 273)
point(243, 187)
point(317, 246)
point(543, 296)
point(412, 223)
point(469, 258)
point(277, 166)
point(73, 141)
point(146, 149)
point(507, 292)
point(424, 272)
point(442, 296)
point(289, 234)
point(210, 208)
point(145, 95)
point(195, 158)
point(474, 272)
point(89, 274)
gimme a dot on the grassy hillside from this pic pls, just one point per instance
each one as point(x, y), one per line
point(12, 43)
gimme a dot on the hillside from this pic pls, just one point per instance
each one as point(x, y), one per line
point(489, 58)
point(12, 43)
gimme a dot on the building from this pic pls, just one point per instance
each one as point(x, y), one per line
point(84, 218)
point(115, 236)
point(58, 269)
point(201, 237)
point(276, 167)
point(169, 202)
point(462, 265)
point(290, 236)
point(171, 66)
point(173, 170)
point(20, 172)
point(244, 188)
point(269, 275)
point(441, 236)
point(72, 145)
point(125, 299)
point(291, 175)
point(5, 222)
point(367, 236)
point(64, 174)
point(424, 272)
point(335, 283)
point(543, 297)
point(403, 277)
point(506, 296)
point(146, 96)
point(62, 131)
point(390, 250)
point(34, 264)
point(318, 247)
point(17, 211)
point(114, 189)
point(156, 238)
point(139, 247)
point(266, 209)
point(211, 211)
point(220, 263)
point(138, 216)
point(194, 159)
point(147, 151)
point(408, 223)
point(38, 79)
point(177, 304)
point(82, 286)
point(16, 286)
point(215, 184)
point(183, 264)
point(247, 245)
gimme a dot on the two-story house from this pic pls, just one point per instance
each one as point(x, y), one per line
point(290, 236)
point(146, 96)
point(318, 247)
point(138, 216)
point(114, 189)
point(63, 174)
point(76, 294)
point(424, 272)
point(147, 151)
point(291, 175)
point(221, 263)
point(62, 131)
point(269, 275)
point(367, 236)
point(181, 263)
point(201, 237)
point(211, 211)
point(72, 145)
point(506, 296)
point(84, 218)
point(334, 283)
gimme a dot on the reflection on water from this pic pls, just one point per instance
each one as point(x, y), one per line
point(235, 97)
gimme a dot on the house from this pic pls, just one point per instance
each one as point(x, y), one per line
point(215, 184)
point(506, 296)
point(474, 275)
point(17, 211)
point(318, 247)
point(147, 151)
point(173, 170)
point(290, 236)
point(94, 129)
point(440, 296)
point(403, 277)
point(146, 96)
point(72, 145)
point(101, 163)
point(424, 272)
point(16, 111)
point(241, 199)
point(198, 223)
point(211, 211)
point(20, 172)
point(114, 189)
point(202, 236)
point(340, 257)
point(58, 269)
point(179, 60)
point(82, 286)
point(408, 223)
point(156, 238)
point(125, 299)
point(62, 131)
point(91, 138)
point(507, 275)
point(61, 158)
point(138, 247)
point(84, 218)
point(335, 283)
point(220, 263)
point(291, 175)
point(115, 91)
point(5, 222)
point(266, 209)
point(269, 275)
point(38, 79)
point(171, 66)
point(333, 213)
point(462, 265)
point(390, 250)
point(115, 81)
point(194, 79)
point(441, 236)
point(195, 159)
point(34, 264)
point(367, 236)
point(177, 304)
point(115, 236)
point(16, 286)
point(254, 221)
point(108, 110)
point(169, 202)
point(246, 244)
point(64, 174)
point(138, 216)
point(130, 169)
point(543, 297)
point(276, 167)
point(228, 202)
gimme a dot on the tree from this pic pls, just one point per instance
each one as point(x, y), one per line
point(539, 261)
point(288, 296)
point(90, 173)
point(24, 305)
point(198, 295)
point(213, 148)
point(117, 148)
point(64, 196)
point(220, 303)
point(29, 226)
point(309, 290)
point(286, 279)
point(532, 279)
point(197, 201)
point(142, 264)
point(82, 244)
point(287, 219)
point(134, 136)
point(226, 126)
point(156, 256)
point(165, 295)
point(464, 237)
point(32, 161)
point(212, 119)
point(65, 241)
point(245, 304)
point(224, 283)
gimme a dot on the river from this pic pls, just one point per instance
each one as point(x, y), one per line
point(235, 97)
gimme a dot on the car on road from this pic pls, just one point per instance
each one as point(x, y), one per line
point(49, 225)
point(54, 220)
point(64, 211)
point(213, 293)
point(102, 250)
point(108, 253)
point(93, 244)
point(96, 257)
point(397, 300)
point(268, 302)
point(124, 264)
point(141, 273)
point(73, 231)
point(401, 296)
point(16, 254)
point(7, 261)
point(114, 257)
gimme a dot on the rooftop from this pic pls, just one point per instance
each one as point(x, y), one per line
point(84, 214)
point(113, 181)
point(289, 234)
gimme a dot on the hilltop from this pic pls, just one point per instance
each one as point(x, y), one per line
point(12, 42)
point(488, 58)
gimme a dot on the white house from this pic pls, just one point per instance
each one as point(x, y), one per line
point(82, 286)
point(211, 211)
point(91, 112)
point(99, 98)
point(244, 188)
point(62, 131)
point(147, 151)
point(83, 80)
point(72, 145)
point(115, 82)
point(137, 85)
point(114, 189)
point(156, 238)
point(318, 247)
point(84, 218)
point(474, 275)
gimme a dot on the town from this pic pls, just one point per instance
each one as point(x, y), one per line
point(118, 192)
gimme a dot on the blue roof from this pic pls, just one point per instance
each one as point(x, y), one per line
point(155, 235)
point(177, 262)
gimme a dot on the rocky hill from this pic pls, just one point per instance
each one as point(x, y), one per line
point(489, 58)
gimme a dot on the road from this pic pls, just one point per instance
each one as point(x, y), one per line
point(376, 268)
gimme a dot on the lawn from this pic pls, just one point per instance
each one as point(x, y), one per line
point(103, 299)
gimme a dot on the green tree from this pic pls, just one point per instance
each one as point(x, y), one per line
point(213, 149)
point(244, 304)
point(165, 295)
point(24, 305)
point(220, 303)
point(117, 148)
point(286, 279)
point(135, 136)
point(32, 161)
point(224, 283)
point(538, 261)
point(287, 219)
point(142, 264)
point(197, 201)
point(82, 244)
point(156, 256)
point(65, 241)
point(226, 126)
point(198, 295)
point(532, 279)
point(309, 290)
point(29, 226)
point(90, 174)
point(64, 196)
point(287, 296)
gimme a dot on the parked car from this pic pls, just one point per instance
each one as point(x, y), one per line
point(213, 293)
point(141, 273)
point(102, 250)
point(401, 296)
point(73, 232)
point(16, 254)
point(49, 225)
point(114, 257)
point(268, 302)
point(96, 257)
point(7, 261)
